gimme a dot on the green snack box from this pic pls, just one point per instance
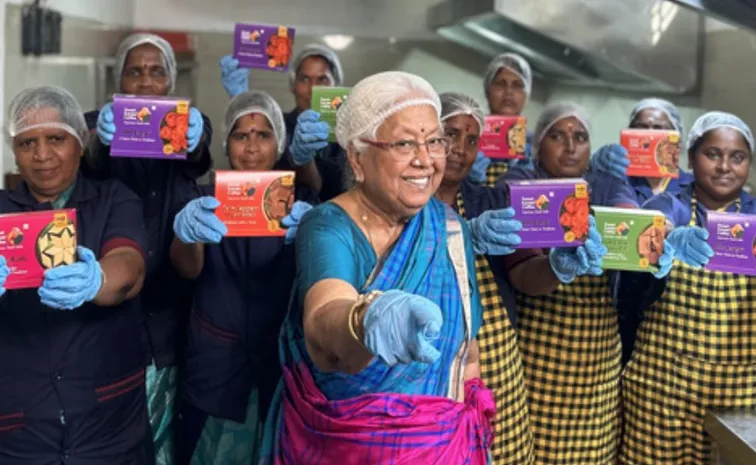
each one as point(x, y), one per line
point(634, 238)
point(326, 101)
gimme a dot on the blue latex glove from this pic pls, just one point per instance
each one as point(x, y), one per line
point(690, 247)
point(666, 260)
point(291, 221)
point(310, 135)
point(400, 328)
point(611, 159)
point(68, 287)
point(197, 223)
point(569, 262)
point(495, 232)
point(194, 131)
point(235, 80)
point(4, 273)
point(105, 124)
point(477, 173)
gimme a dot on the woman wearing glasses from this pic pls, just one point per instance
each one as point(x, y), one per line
point(378, 351)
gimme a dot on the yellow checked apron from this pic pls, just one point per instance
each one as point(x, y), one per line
point(571, 352)
point(495, 170)
point(696, 350)
point(501, 369)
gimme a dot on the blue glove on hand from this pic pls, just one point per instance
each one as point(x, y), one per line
point(105, 124)
point(310, 135)
point(666, 260)
point(291, 221)
point(235, 80)
point(611, 159)
point(477, 173)
point(194, 131)
point(569, 262)
point(70, 286)
point(495, 232)
point(4, 273)
point(399, 328)
point(690, 247)
point(197, 223)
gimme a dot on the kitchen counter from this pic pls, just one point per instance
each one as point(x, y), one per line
point(735, 436)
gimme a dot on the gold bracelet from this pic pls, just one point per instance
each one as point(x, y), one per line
point(362, 302)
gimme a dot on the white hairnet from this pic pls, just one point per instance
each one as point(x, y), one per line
point(666, 107)
point(47, 107)
point(552, 114)
point(715, 120)
point(456, 103)
point(317, 50)
point(260, 102)
point(141, 38)
point(513, 62)
point(378, 97)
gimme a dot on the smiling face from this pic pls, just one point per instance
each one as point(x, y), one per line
point(463, 132)
point(720, 162)
point(506, 94)
point(144, 72)
point(565, 149)
point(252, 145)
point(396, 184)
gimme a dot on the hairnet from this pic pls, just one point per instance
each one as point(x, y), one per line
point(378, 97)
point(513, 62)
point(47, 107)
point(666, 107)
point(456, 103)
point(552, 114)
point(141, 38)
point(317, 50)
point(715, 120)
point(260, 102)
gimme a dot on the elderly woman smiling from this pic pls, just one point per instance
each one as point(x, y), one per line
point(379, 351)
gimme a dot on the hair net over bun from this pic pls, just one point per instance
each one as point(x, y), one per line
point(375, 99)
point(552, 114)
point(455, 104)
point(317, 50)
point(715, 120)
point(513, 62)
point(666, 107)
point(141, 38)
point(259, 102)
point(47, 107)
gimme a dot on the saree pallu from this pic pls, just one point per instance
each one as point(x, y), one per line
point(161, 397)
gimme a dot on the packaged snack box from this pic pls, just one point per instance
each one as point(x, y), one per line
point(326, 101)
point(263, 47)
point(652, 153)
point(34, 242)
point(150, 127)
point(504, 137)
point(553, 212)
point(634, 238)
point(733, 238)
point(253, 203)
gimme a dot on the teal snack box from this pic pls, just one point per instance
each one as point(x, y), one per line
point(634, 238)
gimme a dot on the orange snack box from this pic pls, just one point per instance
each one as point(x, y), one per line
point(253, 203)
point(652, 153)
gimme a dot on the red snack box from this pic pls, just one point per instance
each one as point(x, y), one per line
point(33, 242)
point(504, 137)
point(652, 153)
point(253, 203)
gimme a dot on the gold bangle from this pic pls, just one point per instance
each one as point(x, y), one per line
point(350, 320)
point(362, 302)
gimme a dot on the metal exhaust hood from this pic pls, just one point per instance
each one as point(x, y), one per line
point(649, 46)
point(735, 12)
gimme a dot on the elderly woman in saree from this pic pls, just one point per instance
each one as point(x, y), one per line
point(378, 350)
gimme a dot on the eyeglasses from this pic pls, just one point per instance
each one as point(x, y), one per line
point(437, 147)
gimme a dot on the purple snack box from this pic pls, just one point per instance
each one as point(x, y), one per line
point(139, 121)
point(553, 212)
point(733, 238)
point(263, 47)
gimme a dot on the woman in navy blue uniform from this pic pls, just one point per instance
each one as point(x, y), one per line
point(72, 385)
point(146, 65)
point(241, 297)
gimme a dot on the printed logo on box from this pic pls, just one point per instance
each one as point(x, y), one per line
point(141, 115)
point(732, 233)
point(252, 37)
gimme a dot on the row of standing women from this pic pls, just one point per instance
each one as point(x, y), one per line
point(412, 330)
